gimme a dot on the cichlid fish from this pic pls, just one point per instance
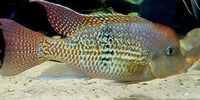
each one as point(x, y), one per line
point(109, 46)
point(191, 46)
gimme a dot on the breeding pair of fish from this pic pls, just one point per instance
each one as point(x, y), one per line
point(109, 46)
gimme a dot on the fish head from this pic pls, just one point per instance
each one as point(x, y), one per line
point(166, 57)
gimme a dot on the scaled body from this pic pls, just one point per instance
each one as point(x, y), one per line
point(123, 49)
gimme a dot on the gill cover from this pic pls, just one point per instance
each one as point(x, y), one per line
point(167, 62)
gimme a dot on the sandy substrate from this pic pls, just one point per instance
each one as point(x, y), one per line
point(22, 87)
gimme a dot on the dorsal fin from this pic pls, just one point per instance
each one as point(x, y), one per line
point(66, 21)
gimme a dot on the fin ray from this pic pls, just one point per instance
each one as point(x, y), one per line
point(67, 22)
point(61, 71)
point(120, 83)
point(21, 48)
point(64, 20)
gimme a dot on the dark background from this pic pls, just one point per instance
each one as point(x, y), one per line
point(172, 13)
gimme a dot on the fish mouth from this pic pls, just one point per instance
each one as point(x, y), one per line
point(184, 69)
point(190, 61)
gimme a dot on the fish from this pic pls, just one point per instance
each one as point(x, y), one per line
point(122, 52)
point(106, 46)
point(190, 46)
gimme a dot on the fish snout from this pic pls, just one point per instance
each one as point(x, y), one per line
point(185, 67)
point(184, 70)
point(190, 61)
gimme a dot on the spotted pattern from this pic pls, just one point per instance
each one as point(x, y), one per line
point(116, 51)
point(110, 46)
point(66, 21)
point(21, 52)
point(106, 53)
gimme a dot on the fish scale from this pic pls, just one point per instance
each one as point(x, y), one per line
point(103, 57)
point(108, 46)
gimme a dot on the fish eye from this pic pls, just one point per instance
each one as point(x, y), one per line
point(169, 50)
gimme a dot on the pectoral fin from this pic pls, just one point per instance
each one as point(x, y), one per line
point(120, 83)
point(60, 71)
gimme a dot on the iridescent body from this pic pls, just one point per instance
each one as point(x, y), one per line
point(109, 46)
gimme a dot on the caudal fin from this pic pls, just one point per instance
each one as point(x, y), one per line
point(22, 48)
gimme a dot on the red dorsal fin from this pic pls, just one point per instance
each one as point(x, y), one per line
point(66, 21)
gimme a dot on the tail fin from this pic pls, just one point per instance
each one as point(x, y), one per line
point(22, 48)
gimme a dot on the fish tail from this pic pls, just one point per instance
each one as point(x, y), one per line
point(22, 48)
